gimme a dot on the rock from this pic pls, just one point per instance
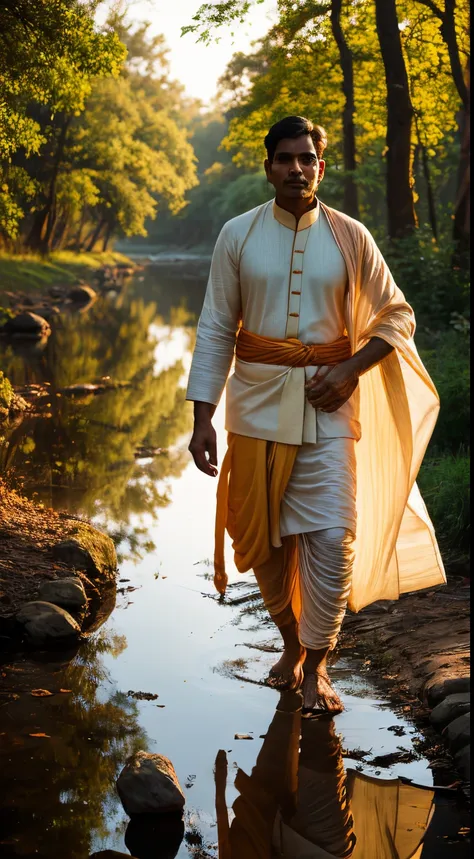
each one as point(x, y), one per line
point(28, 324)
point(440, 685)
point(82, 293)
point(458, 733)
point(449, 709)
point(68, 593)
point(90, 550)
point(155, 836)
point(46, 624)
point(462, 759)
point(148, 784)
point(110, 854)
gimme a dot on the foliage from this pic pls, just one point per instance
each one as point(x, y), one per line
point(445, 484)
point(448, 364)
point(6, 392)
point(92, 146)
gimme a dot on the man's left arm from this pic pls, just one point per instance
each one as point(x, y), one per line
point(331, 387)
point(385, 321)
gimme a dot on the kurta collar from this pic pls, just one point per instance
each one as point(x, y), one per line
point(288, 220)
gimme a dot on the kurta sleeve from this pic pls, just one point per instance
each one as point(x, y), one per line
point(383, 309)
point(218, 323)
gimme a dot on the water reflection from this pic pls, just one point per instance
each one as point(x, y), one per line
point(82, 454)
point(60, 754)
point(300, 803)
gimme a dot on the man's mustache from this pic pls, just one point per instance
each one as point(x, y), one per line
point(296, 182)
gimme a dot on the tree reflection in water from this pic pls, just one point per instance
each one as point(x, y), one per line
point(61, 788)
point(302, 804)
point(82, 457)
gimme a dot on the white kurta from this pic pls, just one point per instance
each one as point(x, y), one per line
point(288, 283)
point(282, 283)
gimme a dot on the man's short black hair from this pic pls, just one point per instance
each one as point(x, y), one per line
point(295, 126)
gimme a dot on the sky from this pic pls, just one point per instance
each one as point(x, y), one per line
point(198, 67)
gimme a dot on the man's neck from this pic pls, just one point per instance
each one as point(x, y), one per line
point(298, 208)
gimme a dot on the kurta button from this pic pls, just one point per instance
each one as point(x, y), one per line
point(297, 271)
point(295, 292)
point(293, 314)
point(299, 252)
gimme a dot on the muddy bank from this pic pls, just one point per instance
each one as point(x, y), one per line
point(419, 647)
point(39, 546)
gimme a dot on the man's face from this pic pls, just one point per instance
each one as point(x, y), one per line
point(295, 171)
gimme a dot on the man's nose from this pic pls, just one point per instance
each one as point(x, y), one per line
point(295, 166)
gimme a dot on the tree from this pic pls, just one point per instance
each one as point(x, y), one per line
point(401, 212)
point(49, 55)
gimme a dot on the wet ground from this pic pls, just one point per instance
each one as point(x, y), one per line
point(169, 636)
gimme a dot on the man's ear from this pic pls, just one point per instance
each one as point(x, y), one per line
point(322, 168)
point(268, 168)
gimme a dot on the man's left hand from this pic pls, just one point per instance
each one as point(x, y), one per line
point(331, 387)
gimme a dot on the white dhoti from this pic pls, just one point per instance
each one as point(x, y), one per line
point(319, 505)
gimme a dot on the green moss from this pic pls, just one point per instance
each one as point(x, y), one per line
point(6, 392)
point(100, 547)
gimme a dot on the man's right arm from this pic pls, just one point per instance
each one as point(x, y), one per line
point(214, 350)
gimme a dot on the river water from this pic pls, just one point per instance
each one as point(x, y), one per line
point(168, 635)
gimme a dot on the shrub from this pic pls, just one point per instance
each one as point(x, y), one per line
point(448, 364)
point(444, 484)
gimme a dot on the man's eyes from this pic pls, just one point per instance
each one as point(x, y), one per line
point(304, 159)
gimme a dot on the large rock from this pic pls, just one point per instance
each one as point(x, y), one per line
point(148, 784)
point(110, 854)
point(458, 733)
point(68, 593)
point(449, 709)
point(28, 324)
point(47, 625)
point(462, 759)
point(155, 836)
point(440, 685)
point(82, 293)
point(90, 550)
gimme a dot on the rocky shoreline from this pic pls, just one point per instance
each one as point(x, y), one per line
point(56, 573)
point(419, 646)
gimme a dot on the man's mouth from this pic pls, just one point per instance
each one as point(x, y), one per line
point(299, 184)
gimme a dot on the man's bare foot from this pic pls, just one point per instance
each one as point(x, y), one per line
point(319, 696)
point(287, 673)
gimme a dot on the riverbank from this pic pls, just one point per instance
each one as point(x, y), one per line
point(32, 273)
point(419, 646)
point(42, 545)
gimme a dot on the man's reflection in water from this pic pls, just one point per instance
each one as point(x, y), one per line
point(300, 803)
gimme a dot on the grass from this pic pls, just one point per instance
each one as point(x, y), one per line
point(29, 272)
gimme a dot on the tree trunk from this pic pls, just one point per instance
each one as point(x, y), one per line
point(351, 203)
point(107, 237)
point(401, 210)
point(462, 209)
point(39, 238)
point(429, 192)
point(52, 201)
point(95, 235)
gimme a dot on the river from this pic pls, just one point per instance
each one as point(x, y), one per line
point(167, 635)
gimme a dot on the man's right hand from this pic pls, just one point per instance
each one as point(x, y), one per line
point(204, 441)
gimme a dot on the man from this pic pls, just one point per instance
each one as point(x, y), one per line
point(327, 383)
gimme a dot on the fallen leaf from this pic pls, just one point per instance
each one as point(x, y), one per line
point(65, 690)
point(41, 693)
point(242, 737)
point(39, 735)
point(161, 705)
